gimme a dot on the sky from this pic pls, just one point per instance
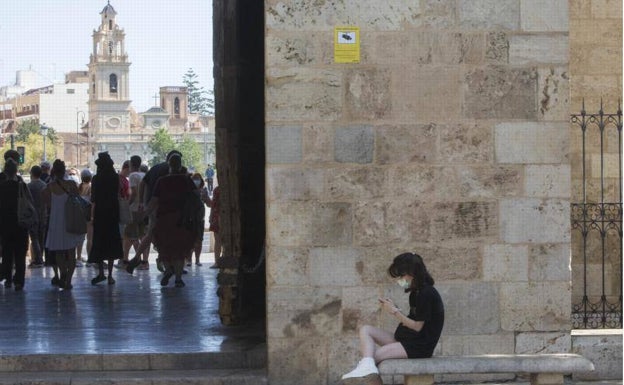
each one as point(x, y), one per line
point(164, 38)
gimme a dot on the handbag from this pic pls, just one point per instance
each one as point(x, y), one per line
point(77, 213)
point(27, 216)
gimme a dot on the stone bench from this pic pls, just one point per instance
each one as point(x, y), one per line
point(544, 369)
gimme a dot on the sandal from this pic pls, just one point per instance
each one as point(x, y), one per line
point(98, 279)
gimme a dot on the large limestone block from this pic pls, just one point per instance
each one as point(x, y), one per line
point(481, 182)
point(544, 16)
point(554, 93)
point(286, 266)
point(606, 9)
point(355, 144)
point(500, 92)
point(355, 183)
point(309, 224)
point(333, 266)
point(303, 359)
point(295, 184)
point(466, 345)
point(426, 93)
point(463, 220)
point(546, 181)
point(377, 223)
point(283, 144)
point(460, 262)
point(470, 308)
point(406, 143)
point(294, 49)
point(318, 144)
point(497, 48)
point(466, 143)
point(541, 306)
point(549, 262)
point(319, 16)
point(587, 31)
point(303, 94)
point(525, 220)
point(368, 94)
point(360, 306)
point(410, 180)
point(506, 263)
point(538, 49)
point(531, 142)
point(549, 342)
point(303, 312)
point(604, 349)
point(489, 14)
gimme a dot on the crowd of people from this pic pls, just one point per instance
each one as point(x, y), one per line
point(124, 211)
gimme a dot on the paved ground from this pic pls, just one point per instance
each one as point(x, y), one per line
point(134, 315)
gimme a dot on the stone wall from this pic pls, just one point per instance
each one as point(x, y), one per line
point(595, 75)
point(450, 138)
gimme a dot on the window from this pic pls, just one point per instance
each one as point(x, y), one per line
point(176, 107)
point(110, 25)
point(71, 91)
point(112, 80)
point(110, 48)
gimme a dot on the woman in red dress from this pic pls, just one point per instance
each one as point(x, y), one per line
point(172, 240)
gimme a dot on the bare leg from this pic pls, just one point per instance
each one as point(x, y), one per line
point(370, 337)
point(198, 248)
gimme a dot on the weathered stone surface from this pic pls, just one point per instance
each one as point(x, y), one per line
point(309, 224)
point(587, 31)
point(529, 142)
point(381, 222)
point(307, 94)
point(287, 266)
point(472, 220)
point(549, 262)
point(530, 49)
point(295, 184)
point(303, 359)
point(436, 14)
point(606, 9)
point(292, 50)
point(354, 144)
point(534, 220)
point(604, 349)
point(500, 92)
point(318, 144)
point(489, 14)
point(488, 182)
point(579, 9)
point(546, 181)
point(371, 379)
point(333, 266)
point(465, 143)
point(609, 164)
point(506, 263)
point(360, 306)
point(410, 180)
point(535, 306)
point(368, 94)
point(406, 143)
point(554, 93)
point(355, 183)
point(502, 343)
point(304, 312)
point(470, 308)
point(534, 343)
point(460, 263)
point(425, 94)
point(319, 16)
point(544, 16)
point(283, 145)
point(497, 48)
point(429, 47)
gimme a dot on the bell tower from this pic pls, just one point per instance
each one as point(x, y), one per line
point(109, 99)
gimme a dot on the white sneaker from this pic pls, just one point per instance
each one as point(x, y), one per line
point(365, 367)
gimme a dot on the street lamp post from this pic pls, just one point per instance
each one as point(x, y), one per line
point(44, 133)
point(78, 113)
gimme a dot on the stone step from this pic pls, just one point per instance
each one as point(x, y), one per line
point(253, 358)
point(147, 377)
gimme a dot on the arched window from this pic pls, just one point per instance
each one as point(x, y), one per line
point(112, 81)
point(93, 83)
point(110, 25)
point(110, 48)
point(176, 107)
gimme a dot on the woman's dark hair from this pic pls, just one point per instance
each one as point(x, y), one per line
point(412, 264)
point(198, 176)
point(10, 167)
point(58, 169)
point(175, 163)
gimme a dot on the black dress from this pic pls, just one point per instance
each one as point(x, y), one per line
point(106, 237)
point(425, 305)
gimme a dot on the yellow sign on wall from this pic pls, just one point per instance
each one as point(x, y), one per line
point(346, 45)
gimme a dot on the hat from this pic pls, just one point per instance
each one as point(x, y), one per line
point(86, 173)
point(104, 159)
point(46, 165)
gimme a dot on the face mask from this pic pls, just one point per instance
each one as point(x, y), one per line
point(197, 182)
point(75, 178)
point(404, 283)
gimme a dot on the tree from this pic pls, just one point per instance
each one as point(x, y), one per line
point(191, 153)
point(160, 144)
point(34, 151)
point(200, 100)
point(30, 127)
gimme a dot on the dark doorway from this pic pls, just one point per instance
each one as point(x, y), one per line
point(240, 152)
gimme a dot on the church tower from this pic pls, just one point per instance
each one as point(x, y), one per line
point(109, 102)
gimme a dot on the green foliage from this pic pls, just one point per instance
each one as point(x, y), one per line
point(160, 144)
point(33, 148)
point(200, 100)
point(30, 127)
